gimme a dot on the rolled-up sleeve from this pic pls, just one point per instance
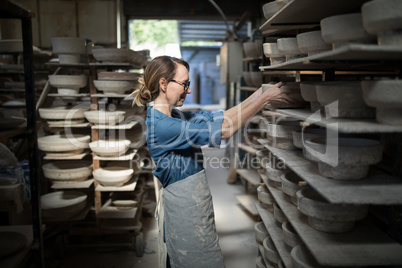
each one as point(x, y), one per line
point(215, 136)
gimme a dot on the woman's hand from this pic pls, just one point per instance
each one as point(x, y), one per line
point(277, 94)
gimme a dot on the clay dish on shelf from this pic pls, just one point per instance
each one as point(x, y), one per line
point(63, 143)
point(290, 237)
point(260, 232)
point(114, 87)
point(300, 136)
point(290, 185)
point(345, 158)
point(289, 48)
point(62, 113)
point(113, 175)
point(302, 258)
point(247, 79)
point(384, 19)
point(264, 195)
point(344, 99)
point(309, 93)
point(125, 200)
point(105, 117)
point(327, 217)
point(269, 9)
point(386, 97)
point(312, 43)
point(272, 52)
point(11, 45)
point(68, 84)
point(256, 78)
point(270, 251)
point(118, 55)
point(62, 204)
point(119, 76)
point(250, 50)
point(67, 171)
point(344, 29)
point(69, 49)
point(109, 148)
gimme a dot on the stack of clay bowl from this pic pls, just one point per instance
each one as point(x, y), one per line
point(67, 171)
point(289, 48)
point(327, 217)
point(62, 205)
point(114, 87)
point(260, 232)
point(269, 9)
point(383, 18)
point(263, 157)
point(312, 43)
point(274, 170)
point(345, 158)
point(118, 55)
point(309, 93)
point(345, 29)
point(101, 117)
point(386, 97)
point(294, 93)
point(63, 115)
point(63, 145)
point(291, 183)
point(109, 148)
point(307, 133)
point(290, 237)
point(344, 99)
point(272, 52)
point(113, 175)
point(279, 134)
point(69, 49)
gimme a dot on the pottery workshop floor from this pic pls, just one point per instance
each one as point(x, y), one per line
point(234, 225)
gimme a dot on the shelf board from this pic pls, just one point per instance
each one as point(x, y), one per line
point(301, 14)
point(72, 185)
point(246, 88)
point(349, 57)
point(73, 65)
point(275, 232)
point(250, 175)
point(247, 148)
point(123, 65)
point(109, 211)
point(128, 186)
point(341, 124)
point(364, 245)
point(68, 95)
point(377, 188)
point(126, 156)
point(72, 157)
point(253, 58)
point(85, 124)
point(128, 125)
point(248, 202)
point(100, 95)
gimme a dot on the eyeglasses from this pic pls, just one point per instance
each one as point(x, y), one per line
point(186, 85)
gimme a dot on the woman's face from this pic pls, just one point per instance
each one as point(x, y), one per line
point(176, 94)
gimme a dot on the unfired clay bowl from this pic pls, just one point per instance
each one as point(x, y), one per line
point(326, 217)
point(118, 55)
point(344, 29)
point(289, 48)
point(63, 143)
point(261, 232)
point(274, 176)
point(62, 204)
point(113, 87)
point(61, 113)
point(109, 147)
point(68, 84)
point(247, 79)
point(290, 185)
point(105, 117)
point(272, 52)
point(345, 158)
point(290, 237)
point(120, 76)
point(11, 45)
point(309, 93)
point(312, 43)
point(264, 195)
point(270, 251)
point(344, 99)
point(269, 9)
point(256, 78)
point(302, 258)
point(250, 49)
point(69, 49)
point(300, 136)
point(384, 19)
point(67, 171)
point(112, 176)
point(386, 97)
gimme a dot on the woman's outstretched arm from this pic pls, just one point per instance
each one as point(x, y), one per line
point(237, 116)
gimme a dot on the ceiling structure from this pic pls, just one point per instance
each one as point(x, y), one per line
point(201, 20)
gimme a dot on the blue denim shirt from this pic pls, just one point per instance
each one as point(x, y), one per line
point(175, 142)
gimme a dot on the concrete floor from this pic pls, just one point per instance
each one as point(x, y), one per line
point(235, 229)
